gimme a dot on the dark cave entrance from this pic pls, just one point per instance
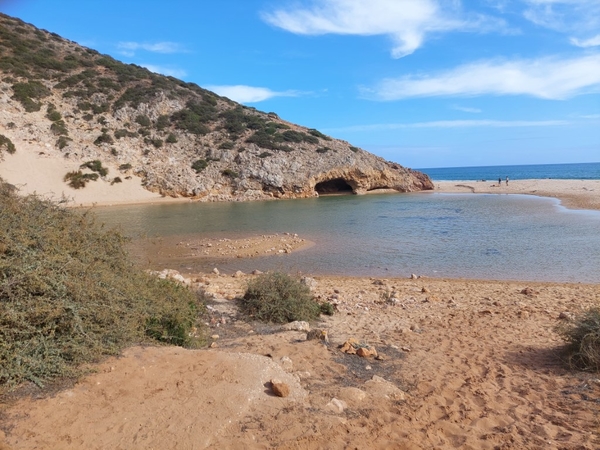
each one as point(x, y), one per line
point(335, 186)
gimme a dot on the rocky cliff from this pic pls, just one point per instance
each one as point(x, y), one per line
point(122, 121)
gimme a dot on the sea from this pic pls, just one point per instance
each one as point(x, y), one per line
point(471, 236)
point(581, 171)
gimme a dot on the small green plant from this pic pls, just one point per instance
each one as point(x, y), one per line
point(200, 165)
point(114, 151)
point(59, 128)
point(124, 167)
point(116, 180)
point(77, 179)
point(276, 297)
point(157, 143)
point(265, 155)
point(582, 335)
point(95, 166)
point(104, 138)
point(7, 145)
point(63, 141)
point(323, 149)
point(227, 145)
point(230, 173)
point(318, 134)
point(171, 139)
point(327, 308)
point(53, 115)
point(354, 149)
point(143, 120)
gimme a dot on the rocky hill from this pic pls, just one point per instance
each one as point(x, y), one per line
point(118, 121)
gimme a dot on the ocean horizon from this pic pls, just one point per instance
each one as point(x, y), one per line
point(571, 171)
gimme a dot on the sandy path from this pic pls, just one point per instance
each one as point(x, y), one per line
point(466, 364)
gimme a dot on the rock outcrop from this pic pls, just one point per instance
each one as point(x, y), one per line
point(180, 139)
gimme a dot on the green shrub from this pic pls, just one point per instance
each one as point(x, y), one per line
point(163, 122)
point(104, 138)
point(69, 294)
point(121, 133)
point(95, 166)
point(323, 149)
point(59, 128)
point(63, 141)
point(53, 115)
point(26, 92)
point(116, 180)
point(157, 143)
point(354, 149)
point(77, 179)
point(171, 139)
point(265, 155)
point(278, 298)
point(227, 145)
point(318, 134)
point(124, 167)
point(200, 165)
point(230, 173)
point(143, 120)
point(7, 145)
point(583, 339)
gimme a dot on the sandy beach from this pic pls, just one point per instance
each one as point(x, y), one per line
point(470, 364)
point(574, 194)
point(461, 364)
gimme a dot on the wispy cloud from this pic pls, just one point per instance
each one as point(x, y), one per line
point(406, 22)
point(575, 17)
point(585, 43)
point(453, 124)
point(129, 48)
point(547, 78)
point(249, 94)
point(169, 71)
point(466, 109)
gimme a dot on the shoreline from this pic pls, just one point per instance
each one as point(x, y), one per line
point(573, 194)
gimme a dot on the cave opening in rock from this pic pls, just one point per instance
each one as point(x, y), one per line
point(335, 186)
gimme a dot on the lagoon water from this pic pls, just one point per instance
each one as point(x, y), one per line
point(504, 237)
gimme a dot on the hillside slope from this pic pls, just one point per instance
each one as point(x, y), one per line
point(74, 104)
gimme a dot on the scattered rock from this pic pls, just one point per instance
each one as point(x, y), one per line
point(524, 314)
point(310, 282)
point(413, 276)
point(257, 272)
point(286, 363)
point(529, 292)
point(214, 345)
point(238, 274)
point(352, 395)
point(337, 406)
point(365, 352)
point(279, 388)
point(354, 347)
point(379, 387)
point(424, 290)
point(216, 271)
point(298, 325)
point(566, 315)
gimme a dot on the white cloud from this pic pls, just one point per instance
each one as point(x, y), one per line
point(249, 94)
point(580, 17)
point(548, 78)
point(169, 71)
point(585, 43)
point(406, 22)
point(466, 109)
point(453, 124)
point(129, 48)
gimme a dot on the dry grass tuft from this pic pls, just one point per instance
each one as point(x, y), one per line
point(583, 338)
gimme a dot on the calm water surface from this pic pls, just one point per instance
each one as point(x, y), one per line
point(445, 235)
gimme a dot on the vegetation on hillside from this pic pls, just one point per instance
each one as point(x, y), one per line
point(69, 294)
point(37, 62)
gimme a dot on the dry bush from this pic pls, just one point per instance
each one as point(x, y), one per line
point(582, 335)
point(278, 298)
point(69, 294)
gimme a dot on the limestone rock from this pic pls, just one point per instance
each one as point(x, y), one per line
point(380, 387)
point(337, 406)
point(297, 325)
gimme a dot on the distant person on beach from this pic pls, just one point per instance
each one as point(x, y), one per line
point(499, 181)
point(507, 181)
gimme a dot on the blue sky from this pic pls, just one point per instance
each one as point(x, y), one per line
point(426, 83)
